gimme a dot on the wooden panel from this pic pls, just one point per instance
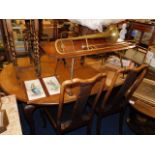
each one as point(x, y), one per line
point(142, 27)
point(144, 108)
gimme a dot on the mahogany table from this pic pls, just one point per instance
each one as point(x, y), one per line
point(11, 85)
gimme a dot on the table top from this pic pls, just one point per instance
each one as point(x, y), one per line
point(79, 48)
point(49, 48)
point(144, 98)
point(11, 85)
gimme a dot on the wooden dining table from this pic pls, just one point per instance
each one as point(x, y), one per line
point(13, 85)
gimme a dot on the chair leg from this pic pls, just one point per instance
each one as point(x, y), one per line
point(121, 120)
point(58, 133)
point(43, 118)
point(98, 127)
point(28, 111)
point(82, 60)
point(89, 128)
point(64, 61)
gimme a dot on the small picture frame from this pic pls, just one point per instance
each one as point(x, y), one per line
point(34, 89)
point(52, 85)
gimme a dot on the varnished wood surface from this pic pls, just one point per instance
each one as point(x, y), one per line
point(49, 48)
point(144, 107)
point(11, 85)
point(143, 28)
point(144, 98)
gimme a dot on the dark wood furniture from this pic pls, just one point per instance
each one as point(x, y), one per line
point(3, 54)
point(116, 99)
point(146, 33)
point(141, 118)
point(143, 34)
point(11, 85)
point(79, 114)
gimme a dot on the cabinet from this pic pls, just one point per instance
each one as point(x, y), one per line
point(141, 33)
point(144, 35)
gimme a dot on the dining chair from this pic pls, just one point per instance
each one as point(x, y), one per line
point(77, 113)
point(115, 99)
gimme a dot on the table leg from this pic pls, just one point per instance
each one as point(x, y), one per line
point(57, 60)
point(72, 68)
point(120, 56)
point(82, 60)
point(69, 92)
point(121, 61)
point(29, 110)
point(102, 60)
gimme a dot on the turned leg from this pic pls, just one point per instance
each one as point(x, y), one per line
point(121, 119)
point(82, 60)
point(89, 128)
point(72, 69)
point(98, 127)
point(42, 114)
point(55, 69)
point(29, 110)
point(64, 61)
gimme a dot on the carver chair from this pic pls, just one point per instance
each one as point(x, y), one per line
point(115, 99)
point(77, 113)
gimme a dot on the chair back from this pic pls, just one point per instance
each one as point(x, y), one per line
point(80, 90)
point(132, 78)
